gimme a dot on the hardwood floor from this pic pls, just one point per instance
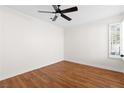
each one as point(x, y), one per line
point(66, 75)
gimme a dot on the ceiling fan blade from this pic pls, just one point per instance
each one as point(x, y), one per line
point(55, 17)
point(72, 9)
point(55, 7)
point(45, 12)
point(66, 17)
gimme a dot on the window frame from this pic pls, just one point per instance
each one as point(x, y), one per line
point(110, 55)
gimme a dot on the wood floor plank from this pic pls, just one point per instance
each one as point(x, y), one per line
point(66, 74)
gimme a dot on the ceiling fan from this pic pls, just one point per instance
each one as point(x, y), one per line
point(61, 12)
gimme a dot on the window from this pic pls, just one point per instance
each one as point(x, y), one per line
point(114, 40)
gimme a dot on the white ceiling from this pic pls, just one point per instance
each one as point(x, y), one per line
point(85, 13)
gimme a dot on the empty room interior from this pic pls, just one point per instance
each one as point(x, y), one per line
point(61, 46)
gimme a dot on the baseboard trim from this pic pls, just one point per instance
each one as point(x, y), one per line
point(25, 71)
point(75, 62)
point(71, 61)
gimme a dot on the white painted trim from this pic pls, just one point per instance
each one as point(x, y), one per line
point(86, 63)
point(113, 56)
point(10, 75)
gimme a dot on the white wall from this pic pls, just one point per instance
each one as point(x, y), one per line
point(88, 44)
point(0, 43)
point(28, 43)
